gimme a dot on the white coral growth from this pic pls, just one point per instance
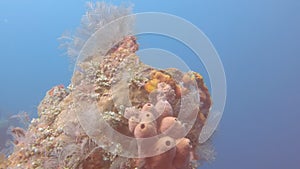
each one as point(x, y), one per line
point(97, 16)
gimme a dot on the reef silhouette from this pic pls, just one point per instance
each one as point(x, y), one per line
point(162, 111)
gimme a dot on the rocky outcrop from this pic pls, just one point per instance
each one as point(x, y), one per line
point(162, 111)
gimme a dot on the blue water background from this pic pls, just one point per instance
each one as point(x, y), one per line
point(258, 42)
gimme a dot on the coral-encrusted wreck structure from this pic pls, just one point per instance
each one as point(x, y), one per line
point(117, 113)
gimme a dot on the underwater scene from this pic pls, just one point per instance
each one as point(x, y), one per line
point(149, 85)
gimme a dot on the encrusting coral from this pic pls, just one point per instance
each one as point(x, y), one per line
point(160, 112)
point(58, 138)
